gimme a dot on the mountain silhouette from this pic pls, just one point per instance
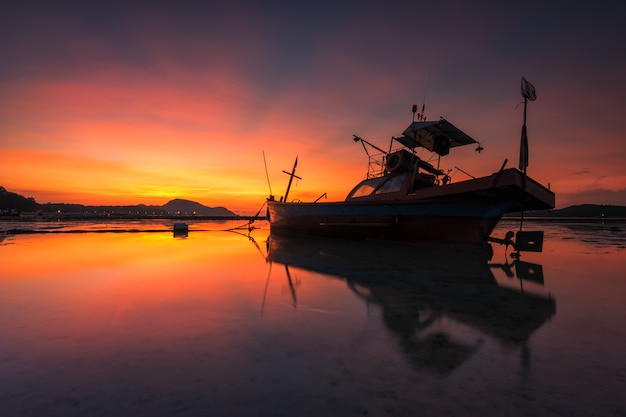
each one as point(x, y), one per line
point(12, 201)
point(187, 207)
point(13, 204)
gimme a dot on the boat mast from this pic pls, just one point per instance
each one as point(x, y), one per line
point(528, 92)
point(291, 174)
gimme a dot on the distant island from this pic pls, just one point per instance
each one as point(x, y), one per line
point(13, 204)
point(579, 211)
point(187, 207)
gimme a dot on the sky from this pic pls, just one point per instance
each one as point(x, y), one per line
point(140, 103)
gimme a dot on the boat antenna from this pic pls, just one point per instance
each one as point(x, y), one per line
point(421, 116)
point(267, 176)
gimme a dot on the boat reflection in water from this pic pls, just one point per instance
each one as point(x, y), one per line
point(425, 294)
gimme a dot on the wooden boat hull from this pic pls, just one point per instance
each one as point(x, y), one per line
point(435, 222)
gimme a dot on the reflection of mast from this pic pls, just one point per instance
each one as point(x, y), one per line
point(267, 284)
point(291, 287)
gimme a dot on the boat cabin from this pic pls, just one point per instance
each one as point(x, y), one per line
point(403, 172)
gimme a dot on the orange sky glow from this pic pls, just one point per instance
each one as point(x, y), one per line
point(120, 105)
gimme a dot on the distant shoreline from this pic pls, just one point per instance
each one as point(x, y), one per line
point(567, 219)
point(91, 217)
point(47, 217)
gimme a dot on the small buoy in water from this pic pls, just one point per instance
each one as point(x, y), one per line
point(181, 229)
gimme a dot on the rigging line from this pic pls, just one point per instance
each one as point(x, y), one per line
point(266, 174)
point(247, 225)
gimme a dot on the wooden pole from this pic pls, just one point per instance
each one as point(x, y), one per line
point(291, 174)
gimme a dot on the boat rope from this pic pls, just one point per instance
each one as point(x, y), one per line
point(248, 225)
point(267, 175)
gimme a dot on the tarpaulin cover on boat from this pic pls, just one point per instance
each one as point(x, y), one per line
point(438, 136)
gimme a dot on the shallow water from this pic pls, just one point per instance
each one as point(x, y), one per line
point(226, 323)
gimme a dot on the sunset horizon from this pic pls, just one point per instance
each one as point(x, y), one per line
point(107, 105)
point(312, 208)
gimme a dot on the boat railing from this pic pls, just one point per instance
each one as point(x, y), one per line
point(375, 165)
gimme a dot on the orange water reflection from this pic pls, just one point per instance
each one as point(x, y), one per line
point(68, 288)
point(145, 323)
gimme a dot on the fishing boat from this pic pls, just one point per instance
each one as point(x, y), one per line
point(404, 197)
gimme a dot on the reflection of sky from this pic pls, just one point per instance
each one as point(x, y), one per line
point(143, 323)
point(127, 105)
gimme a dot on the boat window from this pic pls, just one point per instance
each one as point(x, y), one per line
point(365, 188)
point(393, 184)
